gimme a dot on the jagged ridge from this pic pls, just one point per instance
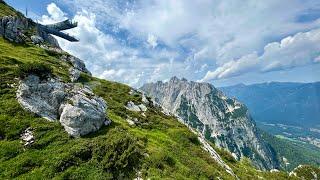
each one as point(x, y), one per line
point(224, 121)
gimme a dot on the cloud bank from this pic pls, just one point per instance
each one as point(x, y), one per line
point(139, 41)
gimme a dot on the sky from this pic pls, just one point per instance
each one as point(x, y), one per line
point(224, 42)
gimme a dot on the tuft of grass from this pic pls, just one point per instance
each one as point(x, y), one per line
point(40, 69)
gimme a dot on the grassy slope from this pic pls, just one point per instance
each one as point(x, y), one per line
point(159, 145)
point(7, 10)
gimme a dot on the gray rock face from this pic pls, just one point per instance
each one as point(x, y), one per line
point(42, 98)
point(77, 66)
point(12, 27)
point(76, 63)
point(83, 112)
point(76, 107)
point(224, 121)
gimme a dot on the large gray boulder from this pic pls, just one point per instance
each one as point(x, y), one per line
point(75, 106)
point(41, 97)
point(83, 112)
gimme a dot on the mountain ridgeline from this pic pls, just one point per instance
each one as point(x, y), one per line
point(222, 120)
point(57, 121)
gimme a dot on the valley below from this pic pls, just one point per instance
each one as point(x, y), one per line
point(293, 133)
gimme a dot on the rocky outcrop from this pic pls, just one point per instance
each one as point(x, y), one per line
point(37, 39)
point(27, 137)
point(76, 63)
point(137, 108)
point(12, 27)
point(222, 120)
point(77, 66)
point(75, 106)
point(74, 74)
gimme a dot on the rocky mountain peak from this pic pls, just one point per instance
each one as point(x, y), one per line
point(222, 120)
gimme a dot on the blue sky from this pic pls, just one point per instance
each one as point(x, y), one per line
point(224, 42)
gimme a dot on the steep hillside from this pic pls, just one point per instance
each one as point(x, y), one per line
point(222, 120)
point(286, 103)
point(155, 146)
point(142, 143)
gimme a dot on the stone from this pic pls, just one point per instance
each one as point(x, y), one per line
point(76, 63)
point(27, 137)
point(37, 39)
point(74, 74)
point(132, 107)
point(41, 97)
point(107, 122)
point(274, 170)
point(137, 108)
point(130, 122)
point(142, 107)
point(76, 107)
point(83, 115)
point(144, 99)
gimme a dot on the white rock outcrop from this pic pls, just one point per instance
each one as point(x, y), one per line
point(137, 108)
point(42, 98)
point(36, 39)
point(27, 137)
point(76, 107)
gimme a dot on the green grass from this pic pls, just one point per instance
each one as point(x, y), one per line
point(158, 145)
point(6, 10)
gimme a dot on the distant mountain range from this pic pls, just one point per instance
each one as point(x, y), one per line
point(295, 104)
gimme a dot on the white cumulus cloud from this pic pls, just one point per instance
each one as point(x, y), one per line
point(55, 14)
point(292, 51)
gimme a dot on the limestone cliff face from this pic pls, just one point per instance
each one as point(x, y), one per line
point(224, 121)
